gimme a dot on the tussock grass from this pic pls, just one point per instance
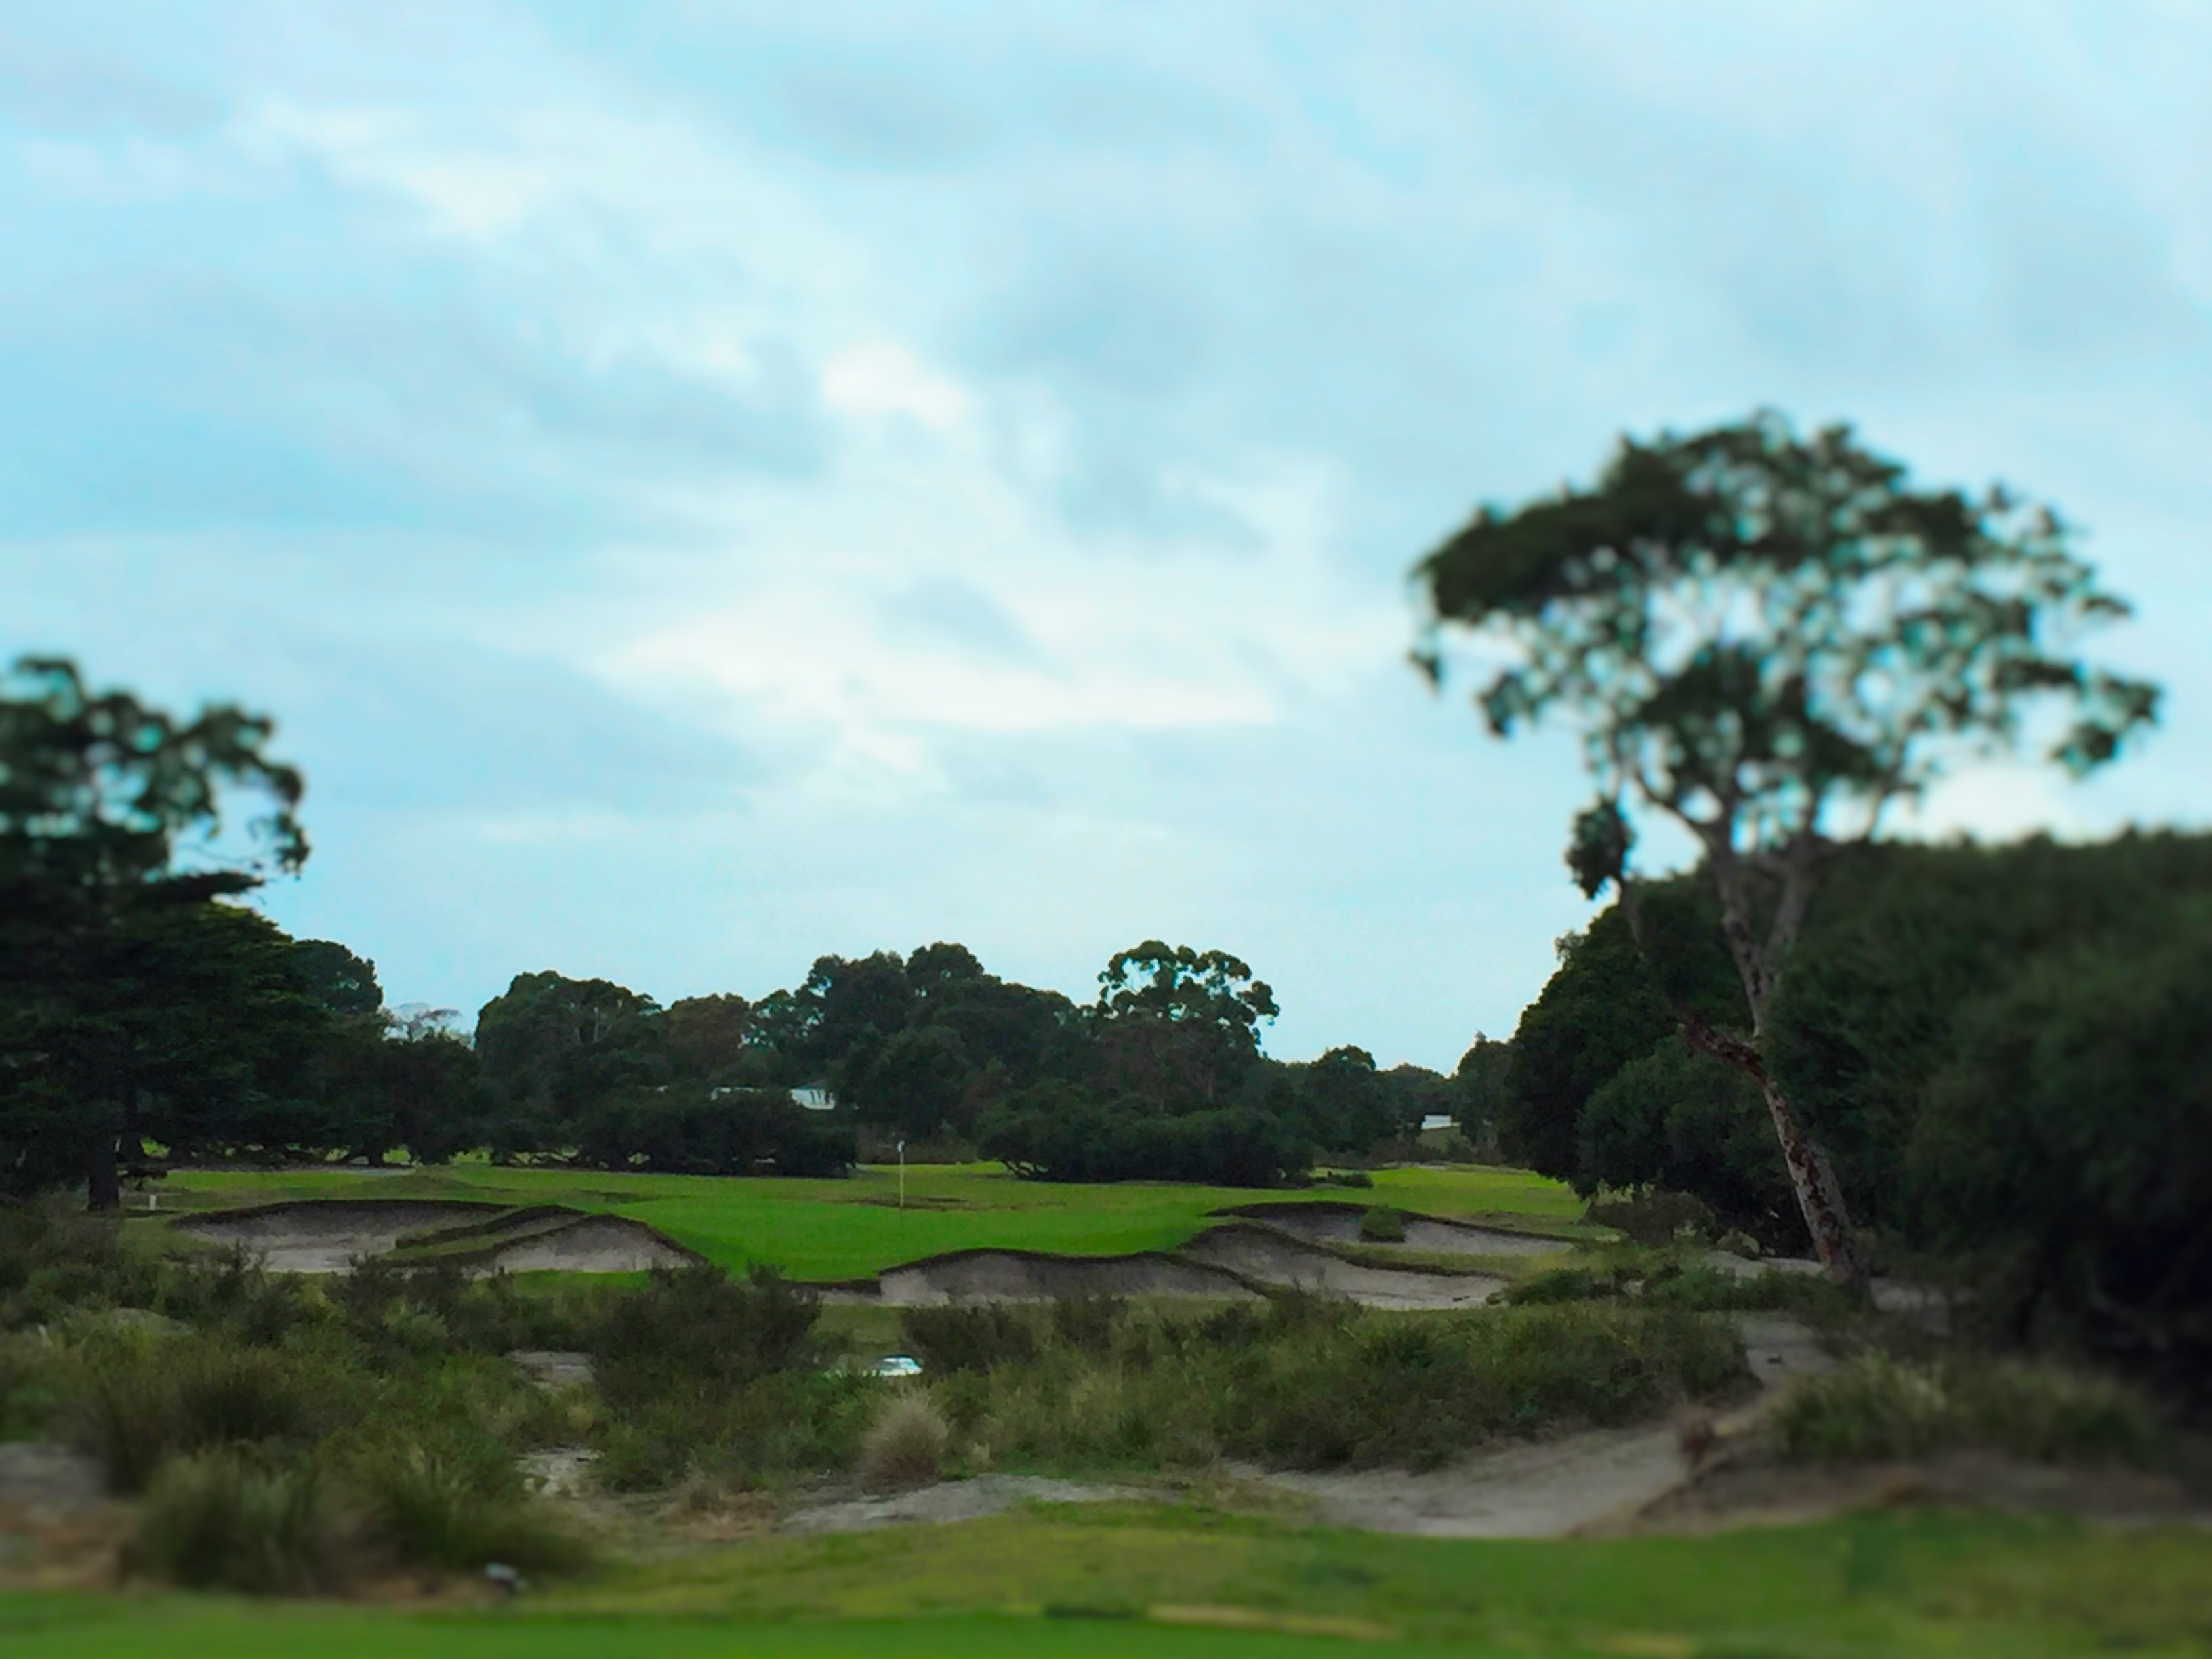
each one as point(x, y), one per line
point(1312, 1384)
point(220, 1520)
point(904, 1446)
point(438, 1507)
point(134, 1404)
point(1876, 1407)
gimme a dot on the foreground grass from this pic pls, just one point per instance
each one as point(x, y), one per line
point(827, 1230)
point(1187, 1580)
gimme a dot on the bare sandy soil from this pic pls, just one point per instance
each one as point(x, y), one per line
point(324, 1236)
point(949, 1500)
point(1015, 1276)
point(1267, 1257)
point(1333, 1223)
point(327, 1235)
point(596, 1244)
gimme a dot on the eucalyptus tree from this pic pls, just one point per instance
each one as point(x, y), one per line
point(1771, 639)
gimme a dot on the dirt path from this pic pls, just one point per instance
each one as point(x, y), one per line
point(949, 1500)
point(1547, 1488)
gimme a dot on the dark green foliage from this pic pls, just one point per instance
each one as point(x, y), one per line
point(1056, 1131)
point(1384, 1226)
point(967, 1336)
point(1655, 1217)
point(1683, 1123)
point(691, 1130)
point(334, 977)
point(696, 1329)
point(2067, 1139)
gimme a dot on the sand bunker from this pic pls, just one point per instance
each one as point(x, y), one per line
point(1339, 1224)
point(1018, 1276)
point(592, 1244)
point(1262, 1256)
point(324, 1236)
point(328, 1235)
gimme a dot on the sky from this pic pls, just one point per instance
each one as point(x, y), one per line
point(701, 486)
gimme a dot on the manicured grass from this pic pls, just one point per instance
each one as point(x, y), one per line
point(1134, 1579)
point(852, 1229)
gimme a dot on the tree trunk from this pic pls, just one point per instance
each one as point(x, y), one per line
point(102, 1189)
point(1812, 1178)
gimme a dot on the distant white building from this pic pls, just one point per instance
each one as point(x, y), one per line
point(1437, 1120)
point(814, 1097)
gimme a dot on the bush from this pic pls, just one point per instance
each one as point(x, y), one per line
point(1876, 1407)
point(1357, 1178)
point(687, 1327)
point(221, 1521)
point(1086, 1323)
point(973, 1337)
point(904, 1446)
point(777, 1424)
point(1654, 1219)
point(1384, 1226)
point(440, 1508)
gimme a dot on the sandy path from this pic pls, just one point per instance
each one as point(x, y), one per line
point(1547, 1488)
point(597, 1244)
point(949, 1500)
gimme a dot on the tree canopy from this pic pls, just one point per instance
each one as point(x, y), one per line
point(1770, 638)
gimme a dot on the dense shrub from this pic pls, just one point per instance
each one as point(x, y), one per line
point(1381, 1224)
point(695, 1328)
point(967, 1336)
point(1056, 1131)
point(1653, 1218)
point(1877, 1406)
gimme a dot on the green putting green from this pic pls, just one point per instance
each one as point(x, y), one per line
point(855, 1228)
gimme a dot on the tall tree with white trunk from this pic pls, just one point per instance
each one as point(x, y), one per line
point(1771, 640)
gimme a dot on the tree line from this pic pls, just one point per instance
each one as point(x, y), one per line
point(143, 1005)
point(2004, 1050)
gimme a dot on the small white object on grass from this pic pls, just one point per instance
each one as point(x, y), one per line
point(898, 1364)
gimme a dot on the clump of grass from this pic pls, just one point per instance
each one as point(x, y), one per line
point(440, 1508)
point(222, 1521)
point(1561, 1284)
point(134, 1404)
point(904, 1447)
point(1309, 1384)
point(1382, 1224)
point(773, 1425)
point(1876, 1407)
point(1656, 1217)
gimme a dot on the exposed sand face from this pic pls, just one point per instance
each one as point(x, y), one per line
point(597, 1244)
point(1329, 1224)
point(1011, 1276)
point(328, 1235)
point(1269, 1258)
point(324, 1236)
